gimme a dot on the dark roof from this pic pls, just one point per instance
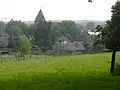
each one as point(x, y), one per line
point(83, 37)
point(40, 17)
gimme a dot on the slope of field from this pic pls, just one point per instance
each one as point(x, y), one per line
point(85, 72)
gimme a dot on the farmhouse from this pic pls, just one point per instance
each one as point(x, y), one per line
point(64, 44)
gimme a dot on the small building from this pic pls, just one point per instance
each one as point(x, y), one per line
point(3, 42)
point(64, 44)
point(3, 36)
point(83, 37)
point(3, 39)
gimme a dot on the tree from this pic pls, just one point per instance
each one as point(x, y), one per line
point(67, 28)
point(44, 36)
point(110, 33)
point(15, 25)
point(97, 47)
point(31, 30)
point(81, 27)
point(14, 30)
point(116, 32)
point(90, 26)
point(110, 40)
point(24, 45)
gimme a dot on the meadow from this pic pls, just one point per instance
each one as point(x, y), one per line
point(83, 72)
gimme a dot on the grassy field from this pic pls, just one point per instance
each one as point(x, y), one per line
point(84, 72)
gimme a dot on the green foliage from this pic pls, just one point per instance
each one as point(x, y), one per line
point(112, 27)
point(15, 25)
point(24, 45)
point(110, 33)
point(94, 47)
point(117, 69)
point(82, 28)
point(31, 30)
point(98, 47)
point(14, 30)
point(67, 28)
point(44, 36)
point(90, 26)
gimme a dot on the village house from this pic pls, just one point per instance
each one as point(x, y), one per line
point(4, 41)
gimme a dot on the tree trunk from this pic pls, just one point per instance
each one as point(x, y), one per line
point(113, 61)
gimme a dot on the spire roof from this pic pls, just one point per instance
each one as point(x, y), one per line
point(40, 17)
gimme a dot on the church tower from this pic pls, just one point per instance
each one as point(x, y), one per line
point(40, 17)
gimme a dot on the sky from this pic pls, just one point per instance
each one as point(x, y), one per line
point(27, 10)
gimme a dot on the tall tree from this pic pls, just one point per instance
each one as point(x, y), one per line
point(110, 33)
point(44, 35)
point(116, 33)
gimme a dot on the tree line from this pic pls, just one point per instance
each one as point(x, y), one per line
point(43, 34)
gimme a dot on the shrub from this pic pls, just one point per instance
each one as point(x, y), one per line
point(117, 68)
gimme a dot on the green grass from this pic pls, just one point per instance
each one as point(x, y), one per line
point(84, 72)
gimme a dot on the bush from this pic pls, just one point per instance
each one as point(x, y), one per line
point(117, 68)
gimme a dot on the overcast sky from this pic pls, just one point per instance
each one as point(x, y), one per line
point(26, 10)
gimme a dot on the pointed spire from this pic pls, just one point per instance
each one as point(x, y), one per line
point(40, 17)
